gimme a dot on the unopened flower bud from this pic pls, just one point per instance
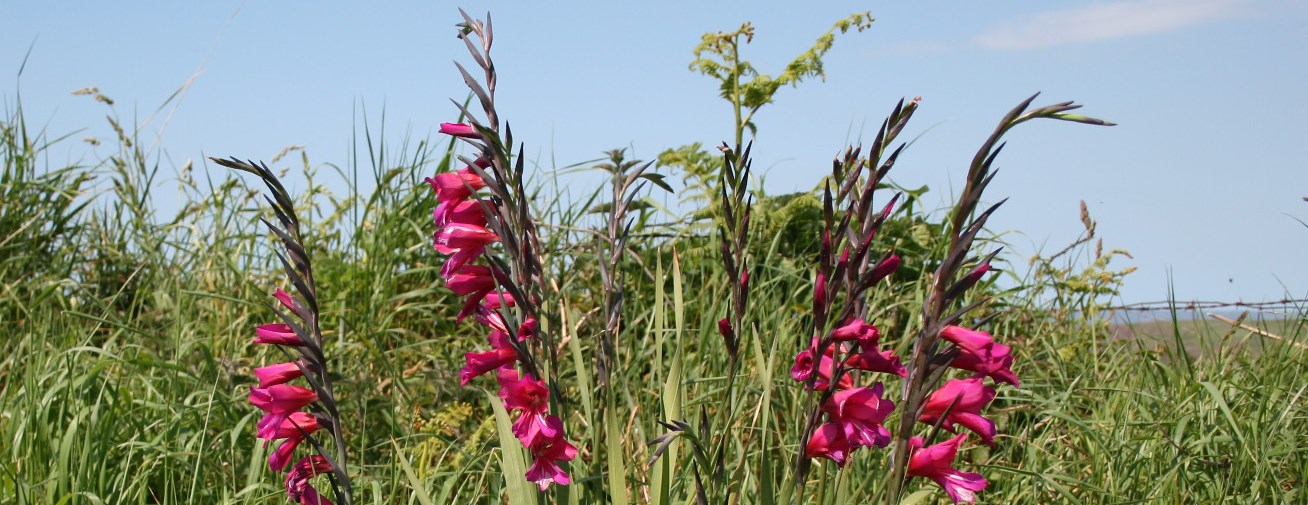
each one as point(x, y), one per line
point(884, 268)
point(820, 293)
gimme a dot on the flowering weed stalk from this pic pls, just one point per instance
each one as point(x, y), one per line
point(842, 414)
point(299, 338)
point(503, 296)
point(942, 343)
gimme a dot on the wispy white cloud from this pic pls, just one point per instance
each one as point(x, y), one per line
point(1108, 20)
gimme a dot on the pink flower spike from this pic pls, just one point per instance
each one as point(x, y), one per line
point(967, 397)
point(994, 361)
point(460, 130)
point(277, 333)
point(968, 339)
point(279, 373)
point(828, 441)
point(936, 463)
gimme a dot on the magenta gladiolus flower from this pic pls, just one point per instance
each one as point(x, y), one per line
point(482, 362)
point(806, 366)
point(295, 428)
point(546, 452)
point(298, 488)
point(527, 329)
point(277, 333)
point(279, 401)
point(497, 299)
point(281, 398)
point(457, 186)
point(466, 211)
point(456, 236)
point(871, 360)
point(968, 339)
point(460, 130)
point(936, 463)
point(501, 355)
point(279, 373)
point(491, 319)
point(828, 441)
point(867, 335)
point(860, 413)
point(994, 360)
point(457, 260)
point(298, 424)
point(963, 399)
point(469, 279)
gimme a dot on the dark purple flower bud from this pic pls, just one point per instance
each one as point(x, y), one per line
point(968, 280)
point(884, 268)
point(724, 327)
point(820, 293)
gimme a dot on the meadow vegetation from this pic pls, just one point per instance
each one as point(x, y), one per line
point(127, 358)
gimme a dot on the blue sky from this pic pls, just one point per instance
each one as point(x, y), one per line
point(1202, 178)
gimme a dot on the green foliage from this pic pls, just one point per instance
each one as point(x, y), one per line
point(740, 84)
point(747, 90)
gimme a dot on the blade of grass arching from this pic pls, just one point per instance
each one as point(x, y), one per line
point(582, 373)
point(513, 463)
point(578, 364)
point(1226, 411)
point(919, 497)
point(678, 302)
point(659, 322)
point(659, 483)
point(617, 468)
point(1176, 330)
point(767, 496)
point(419, 488)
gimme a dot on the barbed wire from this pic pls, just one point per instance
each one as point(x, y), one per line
point(1286, 303)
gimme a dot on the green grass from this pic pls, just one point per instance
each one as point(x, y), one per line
point(126, 358)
